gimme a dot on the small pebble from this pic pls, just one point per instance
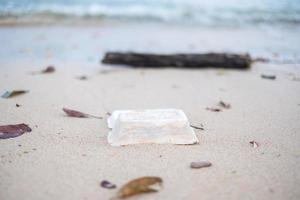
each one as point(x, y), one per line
point(107, 184)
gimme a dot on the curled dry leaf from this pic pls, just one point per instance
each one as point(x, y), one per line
point(254, 144)
point(139, 185)
point(75, 113)
point(200, 164)
point(11, 131)
point(224, 104)
point(107, 184)
point(13, 93)
point(49, 69)
point(197, 127)
point(213, 109)
point(271, 77)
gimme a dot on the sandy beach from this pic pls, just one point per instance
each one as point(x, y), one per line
point(67, 158)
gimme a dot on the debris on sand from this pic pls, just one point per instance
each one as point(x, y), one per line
point(158, 126)
point(200, 164)
point(82, 78)
point(271, 77)
point(197, 127)
point(254, 144)
point(108, 185)
point(78, 114)
point(140, 185)
point(213, 109)
point(13, 93)
point(224, 104)
point(49, 69)
point(11, 131)
point(217, 60)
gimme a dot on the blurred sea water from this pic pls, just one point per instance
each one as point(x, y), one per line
point(267, 28)
point(200, 12)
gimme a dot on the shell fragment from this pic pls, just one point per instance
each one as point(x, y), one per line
point(160, 126)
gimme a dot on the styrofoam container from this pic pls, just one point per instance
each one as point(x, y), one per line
point(160, 126)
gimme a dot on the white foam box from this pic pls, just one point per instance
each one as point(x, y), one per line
point(161, 126)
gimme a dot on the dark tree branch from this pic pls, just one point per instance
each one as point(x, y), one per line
point(217, 60)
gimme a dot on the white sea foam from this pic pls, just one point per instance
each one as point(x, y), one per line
point(226, 12)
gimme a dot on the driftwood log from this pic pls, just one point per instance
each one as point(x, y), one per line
point(217, 60)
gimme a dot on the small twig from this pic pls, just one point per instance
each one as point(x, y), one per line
point(196, 127)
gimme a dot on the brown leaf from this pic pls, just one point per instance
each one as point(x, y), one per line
point(254, 144)
point(139, 185)
point(213, 109)
point(224, 104)
point(11, 131)
point(200, 164)
point(271, 77)
point(49, 69)
point(107, 184)
point(75, 113)
point(13, 93)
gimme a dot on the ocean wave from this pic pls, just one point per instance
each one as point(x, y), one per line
point(165, 11)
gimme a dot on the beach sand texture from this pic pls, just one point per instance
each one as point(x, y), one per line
point(67, 158)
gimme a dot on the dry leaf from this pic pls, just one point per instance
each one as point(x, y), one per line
point(49, 69)
point(254, 144)
point(224, 104)
point(200, 164)
point(107, 184)
point(271, 77)
point(139, 185)
point(74, 113)
point(10, 94)
point(11, 131)
point(214, 109)
point(197, 127)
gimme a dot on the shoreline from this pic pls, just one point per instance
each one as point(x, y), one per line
point(85, 44)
